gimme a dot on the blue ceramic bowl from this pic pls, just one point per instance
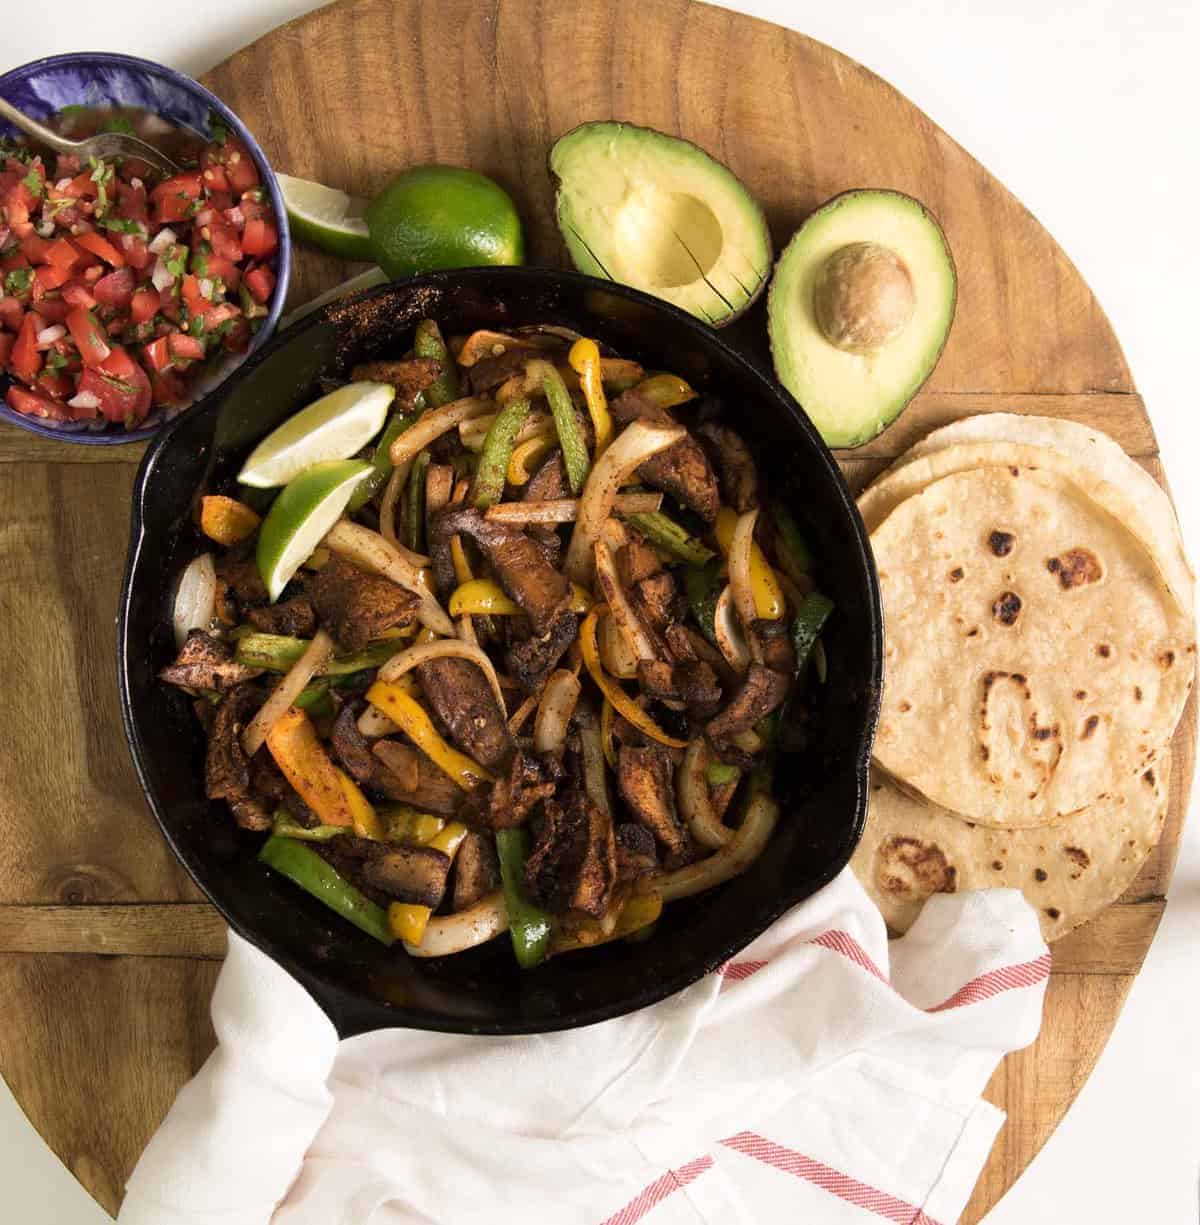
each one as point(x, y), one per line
point(99, 78)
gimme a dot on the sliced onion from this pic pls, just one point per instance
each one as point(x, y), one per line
point(162, 277)
point(453, 648)
point(370, 550)
point(454, 933)
point(566, 510)
point(439, 484)
point(748, 740)
point(637, 637)
point(166, 237)
point(517, 719)
point(373, 723)
point(632, 447)
point(728, 632)
point(559, 697)
point(402, 760)
point(695, 801)
point(84, 399)
point(315, 657)
point(387, 505)
point(616, 654)
point(196, 596)
point(432, 425)
point(731, 860)
point(488, 343)
point(739, 567)
point(595, 777)
point(47, 336)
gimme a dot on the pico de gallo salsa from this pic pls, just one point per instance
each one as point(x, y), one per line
point(118, 284)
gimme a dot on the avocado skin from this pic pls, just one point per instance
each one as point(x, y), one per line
point(870, 427)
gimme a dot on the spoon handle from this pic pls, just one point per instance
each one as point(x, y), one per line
point(31, 127)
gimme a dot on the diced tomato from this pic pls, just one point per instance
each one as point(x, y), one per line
point(169, 303)
point(53, 310)
point(259, 239)
point(97, 244)
point(254, 210)
point(158, 354)
point(121, 386)
point(34, 404)
point(82, 187)
point(167, 387)
point(63, 253)
point(173, 199)
point(35, 247)
point(144, 305)
point(76, 294)
point(224, 240)
point(11, 313)
point(115, 291)
point(215, 178)
point(184, 347)
point(239, 165)
point(89, 339)
point(56, 383)
point(260, 282)
point(10, 263)
point(16, 200)
point(219, 314)
point(225, 270)
point(48, 277)
point(237, 339)
point(137, 253)
point(25, 360)
point(219, 201)
point(6, 348)
point(131, 202)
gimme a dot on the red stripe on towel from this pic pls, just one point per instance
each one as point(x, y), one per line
point(658, 1190)
point(736, 971)
point(1027, 974)
point(844, 943)
point(828, 1179)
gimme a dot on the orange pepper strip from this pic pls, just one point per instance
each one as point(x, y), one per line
point(226, 520)
point(297, 750)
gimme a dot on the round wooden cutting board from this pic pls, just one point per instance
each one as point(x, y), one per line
point(107, 952)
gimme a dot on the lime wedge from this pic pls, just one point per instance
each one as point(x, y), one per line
point(334, 427)
point(326, 217)
point(301, 516)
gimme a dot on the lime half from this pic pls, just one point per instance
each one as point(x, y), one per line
point(326, 217)
point(301, 516)
point(336, 426)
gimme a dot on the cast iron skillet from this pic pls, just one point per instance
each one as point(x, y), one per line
point(361, 985)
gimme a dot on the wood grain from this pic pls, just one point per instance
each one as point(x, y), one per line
point(107, 954)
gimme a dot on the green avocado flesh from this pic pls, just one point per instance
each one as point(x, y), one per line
point(852, 396)
point(659, 214)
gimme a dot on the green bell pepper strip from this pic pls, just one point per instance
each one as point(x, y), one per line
point(492, 472)
point(529, 926)
point(791, 549)
point(304, 867)
point(286, 826)
point(428, 342)
point(719, 773)
point(381, 461)
point(414, 503)
point(314, 698)
point(664, 533)
point(702, 586)
point(807, 624)
point(570, 433)
point(278, 652)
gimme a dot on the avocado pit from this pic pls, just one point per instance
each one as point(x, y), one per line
point(863, 297)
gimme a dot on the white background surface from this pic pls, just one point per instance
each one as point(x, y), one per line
point(1086, 109)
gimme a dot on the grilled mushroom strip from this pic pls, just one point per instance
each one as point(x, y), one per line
point(463, 701)
point(226, 766)
point(762, 691)
point(573, 865)
point(206, 662)
point(409, 377)
point(736, 472)
point(646, 778)
point(356, 606)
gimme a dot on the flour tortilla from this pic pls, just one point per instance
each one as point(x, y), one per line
point(1068, 872)
point(1150, 514)
point(1035, 660)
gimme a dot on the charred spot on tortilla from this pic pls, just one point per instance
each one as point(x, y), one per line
point(1078, 856)
point(1137, 693)
point(1006, 608)
point(1075, 568)
point(1089, 726)
point(1166, 659)
point(1001, 543)
point(1149, 778)
point(1103, 650)
point(1040, 874)
point(905, 707)
point(918, 863)
point(1053, 911)
point(956, 574)
point(997, 866)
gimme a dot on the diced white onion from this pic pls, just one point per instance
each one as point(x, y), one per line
point(162, 240)
point(206, 288)
point(85, 399)
point(196, 596)
point(453, 933)
point(47, 336)
point(162, 277)
point(555, 710)
point(695, 802)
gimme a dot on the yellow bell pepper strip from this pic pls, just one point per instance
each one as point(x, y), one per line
point(278, 652)
point(484, 597)
point(570, 434)
point(488, 486)
point(606, 734)
point(585, 361)
point(664, 533)
point(768, 595)
point(624, 704)
point(528, 925)
point(428, 342)
point(285, 825)
point(297, 751)
point(226, 520)
point(406, 824)
point(304, 867)
point(616, 373)
point(639, 911)
point(527, 457)
point(362, 815)
point(409, 715)
point(408, 921)
point(665, 390)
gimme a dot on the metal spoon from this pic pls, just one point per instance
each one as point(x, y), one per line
point(103, 144)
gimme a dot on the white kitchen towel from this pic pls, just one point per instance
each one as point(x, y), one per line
point(822, 1076)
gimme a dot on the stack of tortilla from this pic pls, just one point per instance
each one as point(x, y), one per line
point(1038, 614)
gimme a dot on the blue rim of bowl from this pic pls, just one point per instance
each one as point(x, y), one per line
point(114, 437)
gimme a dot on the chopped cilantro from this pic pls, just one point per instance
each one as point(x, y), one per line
point(102, 175)
point(195, 325)
point(220, 133)
point(176, 260)
point(200, 259)
point(55, 360)
point(122, 225)
point(118, 123)
point(33, 181)
point(18, 281)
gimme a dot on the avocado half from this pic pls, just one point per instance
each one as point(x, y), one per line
point(859, 311)
point(660, 214)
